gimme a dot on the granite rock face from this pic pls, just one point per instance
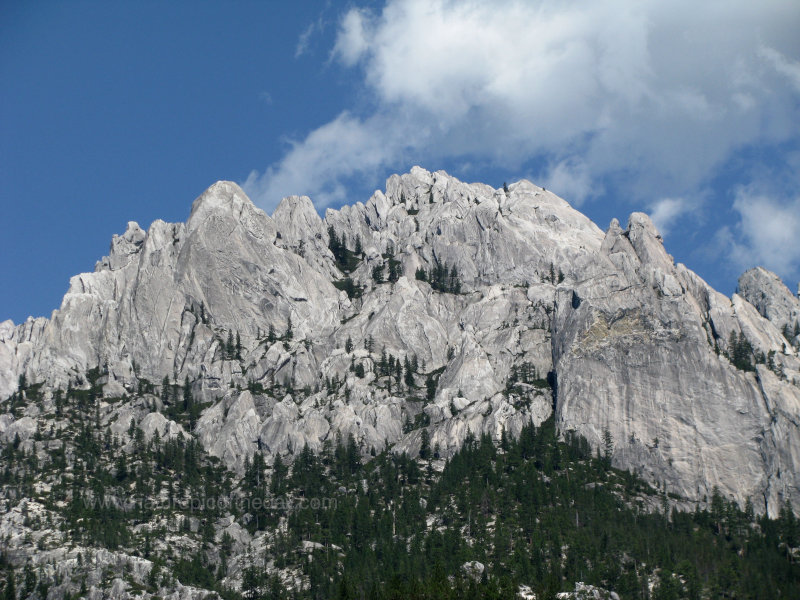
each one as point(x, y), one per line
point(638, 355)
point(772, 299)
point(509, 304)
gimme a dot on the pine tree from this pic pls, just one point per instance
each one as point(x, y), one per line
point(383, 364)
point(279, 472)
point(289, 331)
point(10, 593)
point(430, 388)
point(453, 279)
point(165, 390)
point(187, 395)
point(741, 352)
point(377, 273)
point(333, 241)
point(409, 374)
point(251, 580)
point(425, 447)
point(608, 448)
point(788, 525)
point(229, 347)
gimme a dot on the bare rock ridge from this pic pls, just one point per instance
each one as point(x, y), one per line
point(440, 307)
point(772, 299)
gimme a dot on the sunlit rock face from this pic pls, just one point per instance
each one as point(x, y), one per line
point(509, 303)
point(773, 300)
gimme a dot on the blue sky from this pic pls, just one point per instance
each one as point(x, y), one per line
point(118, 111)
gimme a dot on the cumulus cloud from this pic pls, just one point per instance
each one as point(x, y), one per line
point(788, 68)
point(572, 179)
point(665, 212)
point(321, 164)
point(654, 95)
point(352, 43)
point(766, 234)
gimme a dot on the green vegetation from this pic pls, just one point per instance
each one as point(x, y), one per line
point(391, 372)
point(525, 373)
point(741, 352)
point(232, 350)
point(377, 273)
point(442, 278)
point(389, 270)
point(347, 285)
point(536, 510)
point(552, 277)
point(347, 260)
point(790, 333)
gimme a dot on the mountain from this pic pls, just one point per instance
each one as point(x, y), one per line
point(436, 312)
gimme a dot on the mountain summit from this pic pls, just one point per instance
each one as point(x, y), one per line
point(434, 310)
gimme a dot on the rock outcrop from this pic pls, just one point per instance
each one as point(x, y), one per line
point(772, 298)
point(447, 307)
point(637, 357)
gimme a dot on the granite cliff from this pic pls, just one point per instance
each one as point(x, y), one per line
point(438, 307)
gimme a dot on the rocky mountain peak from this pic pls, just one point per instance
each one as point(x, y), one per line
point(765, 290)
point(292, 206)
point(123, 247)
point(297, 219)
point(223, 199)
point(639, 224)
point(648, 242)
point(512, 305)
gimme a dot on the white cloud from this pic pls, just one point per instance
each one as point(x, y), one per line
point(351, 43)
point(665, 212)
point(304, 39)
point(788, 68)
point(320, 164)
point(570, 178)
point(767, 233)
point(656, 94)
